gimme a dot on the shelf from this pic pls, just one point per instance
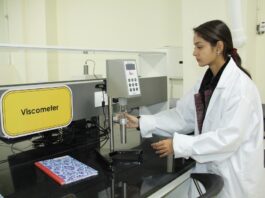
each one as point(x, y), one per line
point(83, 50)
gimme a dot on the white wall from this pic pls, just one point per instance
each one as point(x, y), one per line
point(138, 24)
point(118, 24)
point(25, 24)
point(126, 24)
point(260, 49)
point(193, 14)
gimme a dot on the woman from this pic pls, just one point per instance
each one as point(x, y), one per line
point(224, 109)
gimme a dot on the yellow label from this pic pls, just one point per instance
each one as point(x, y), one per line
point(34, 110)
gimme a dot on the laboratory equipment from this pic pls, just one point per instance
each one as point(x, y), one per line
point(122, 83)
point(122, 79)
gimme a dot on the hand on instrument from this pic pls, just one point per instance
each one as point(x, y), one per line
point(163, 147)
point(132, 121)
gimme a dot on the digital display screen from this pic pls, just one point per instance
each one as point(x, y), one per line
point(130, 66)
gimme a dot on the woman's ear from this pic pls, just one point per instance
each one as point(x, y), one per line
point(220, 46)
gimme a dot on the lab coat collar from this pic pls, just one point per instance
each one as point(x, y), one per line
point(228, 74)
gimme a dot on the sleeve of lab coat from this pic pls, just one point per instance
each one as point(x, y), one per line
point(166, 123)
point(239, 120)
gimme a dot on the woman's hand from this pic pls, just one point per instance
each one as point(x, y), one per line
point(163, 147)
point(132, 121)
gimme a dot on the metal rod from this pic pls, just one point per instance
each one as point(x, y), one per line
point(124, 190)
point(197, 186)
point(170, 163)
point(112, 189)
point(123, 131)
point(111, 140)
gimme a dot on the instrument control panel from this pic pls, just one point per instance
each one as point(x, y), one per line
point(122, 79)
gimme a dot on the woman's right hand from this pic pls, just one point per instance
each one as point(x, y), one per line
point(132, 121)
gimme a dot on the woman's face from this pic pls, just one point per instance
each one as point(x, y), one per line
point(204, 53)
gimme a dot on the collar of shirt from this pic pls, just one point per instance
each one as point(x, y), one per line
point(209, 81)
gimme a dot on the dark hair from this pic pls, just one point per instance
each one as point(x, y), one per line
point(216, 30)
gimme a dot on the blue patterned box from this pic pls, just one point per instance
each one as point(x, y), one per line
point(66, 169)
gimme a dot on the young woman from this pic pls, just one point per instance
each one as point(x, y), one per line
point(224, 109)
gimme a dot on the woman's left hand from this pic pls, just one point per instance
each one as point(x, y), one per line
point(163, 147)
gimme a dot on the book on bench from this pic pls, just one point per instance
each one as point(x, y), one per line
point(66, 169)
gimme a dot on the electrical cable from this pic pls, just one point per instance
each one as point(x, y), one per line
point(105, 131)
point(3, 161)
point(106, 140)
point(57, 137)
point(12, 148)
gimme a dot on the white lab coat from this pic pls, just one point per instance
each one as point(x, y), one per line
point(231, 143)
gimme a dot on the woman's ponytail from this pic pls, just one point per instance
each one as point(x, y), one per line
point(233, 53)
